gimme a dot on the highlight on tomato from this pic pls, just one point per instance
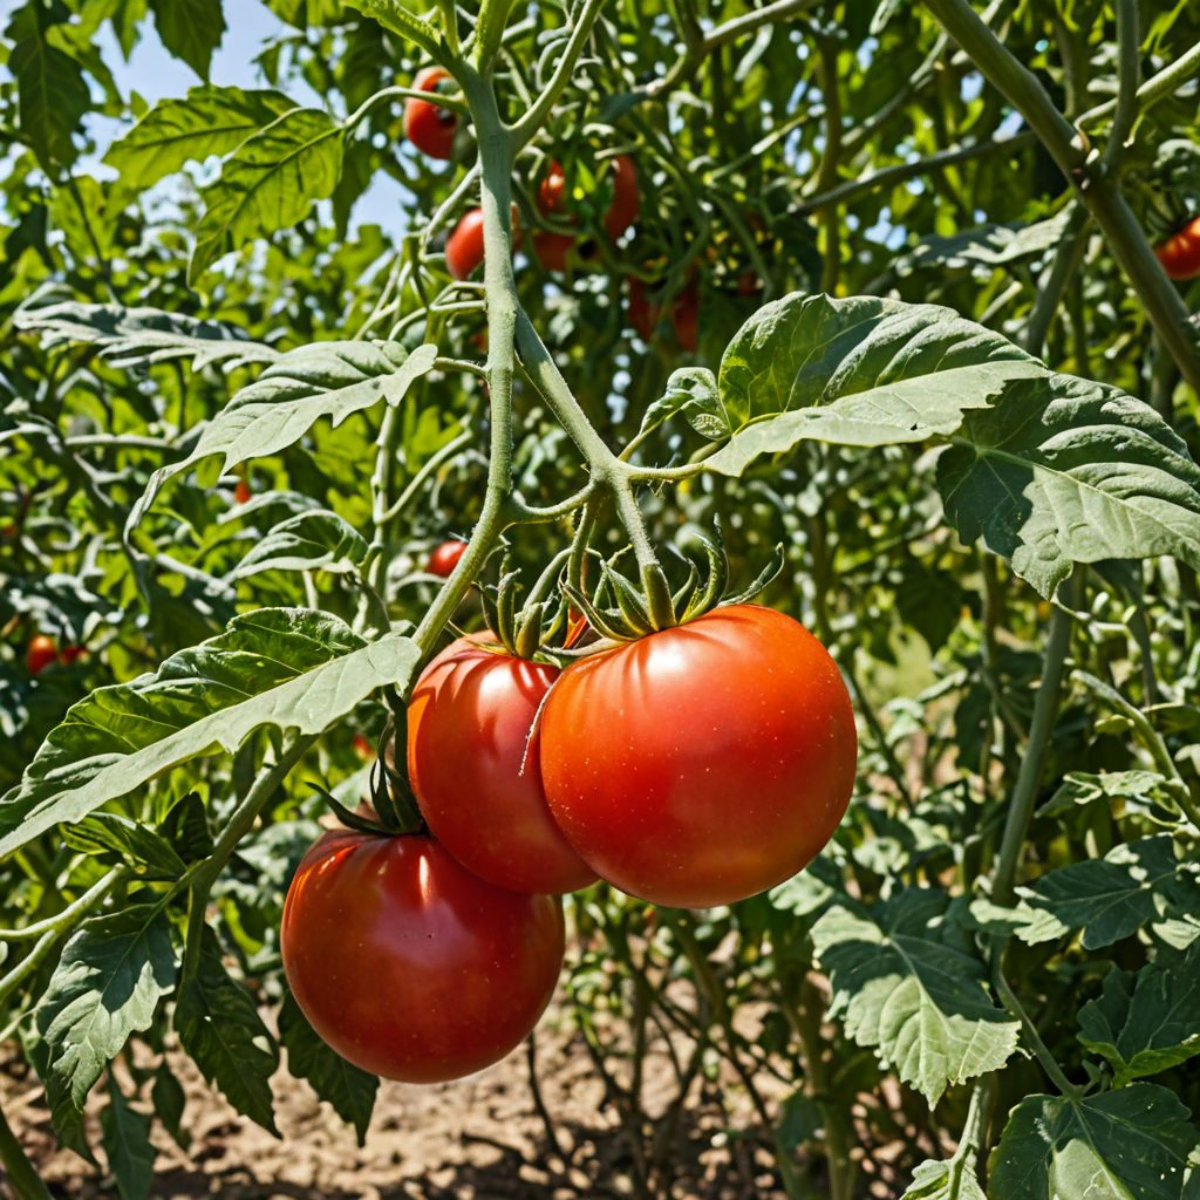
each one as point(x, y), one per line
point(445, 558)
point(428, 125)
point(704, 763)
point(42, 652)
point(1180, 253)
point(473, 761)
point(409, 966)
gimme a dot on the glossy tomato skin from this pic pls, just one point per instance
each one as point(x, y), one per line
point(429, 126)
point(445, 558)
point(473, 762)
point(1180, 253)
point(623, 210)
point(464, 248)
point(42, 652)
point(408, 965)
point(701, 764)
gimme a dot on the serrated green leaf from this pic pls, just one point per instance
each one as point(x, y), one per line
point(1064, 470)
point(269, 183)
point(107, 985)
point(349, 1090)
point(210, 120)
point(1138, 791)
point(127, 1145)
point(326, 379)
point(307, 542)
point(186, 828)
point(986, 245)
point(169, 1101)
point(117, 839)
point(1131, 1144)
point(692, 392)
point(219, 1026)
point(190, 30)
point(956, 1179)
point(394, 16)
point(290, 668)
point(908, 993)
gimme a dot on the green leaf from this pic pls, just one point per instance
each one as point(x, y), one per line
point(52, 94)
point(186, 828)
point(127, 1144)
point(106, 986)
point(326, 379)
point(130, 337)
point(1064, 470)
point(903, 988)
point(1110, 898)
point(1131, 1144)
point(956, 1179)
point(268, 184)
point(691, 391)
point(117, 840)
point(986, 245)
point(1136, 791)
point(1146, 1023)
point(349, 1090)
point(289, 668)
point(168, 1097)
point(856, 372)
point(395, 17)
point(190, 29)
point(211, 120)
point(219, 1026)
point(306, 542)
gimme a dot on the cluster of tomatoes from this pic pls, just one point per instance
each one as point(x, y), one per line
point(692, 767)
point(43, 652)
point(433, 128)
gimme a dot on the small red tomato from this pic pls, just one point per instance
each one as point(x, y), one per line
point(429, 126)
point(445, 558)
point(362, 746)
point(71, 653)
point(464, 248)
point(551, 189)
point(1180, 253)
point(473, 762)
point(624, 208)
point(643, 315)
point(552, 249)
point(241, 492)
point(408, 965)
point(701, 764)
point(41, 653)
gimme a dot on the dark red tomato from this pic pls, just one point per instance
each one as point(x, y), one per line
point(41, 653)
point(685, 316)
point(624, 208)
point(71, 654)
point(464, 248)
point(1180, 253)
point(445, 558)
point(473, 762)
point(553, 249)
point(241, 492)
point(429, 126)
point(643, 315)
point(701, 764)
point(410, 966)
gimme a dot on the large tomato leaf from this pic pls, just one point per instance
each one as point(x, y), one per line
point(290, 668)
point(911, 994)
point(1119, 1145)
point(306, 542)
point(955, 1179)
point(326, 379)
point(211, 120)
point(126, 1136)
point(269, 183)
point(1064, 470)
point(190, 29)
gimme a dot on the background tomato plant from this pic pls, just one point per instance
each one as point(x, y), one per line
point(895, 309)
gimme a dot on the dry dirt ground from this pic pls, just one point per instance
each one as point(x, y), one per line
point(477, 1139)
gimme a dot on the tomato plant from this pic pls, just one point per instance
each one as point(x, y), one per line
point(1180, 253)
point(825, 316)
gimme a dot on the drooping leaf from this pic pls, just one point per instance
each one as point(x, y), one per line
point(955, 1179)
point(190, 29)
point(119, 840)
point(986, 245)
point(290, 668)
point(269, 183)
point(326, 379)
point(107, 985)
point(219, 1026)
point(210, 120)
point(349, 1090)
point(1131, 1144)
point(1064, 470)
point(692, 392)
point(127, 1144)
point(1136, 791)
point(906, 990)
point(169, 1100)
point(306, 542)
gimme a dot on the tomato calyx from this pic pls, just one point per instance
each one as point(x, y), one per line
point(524, 625)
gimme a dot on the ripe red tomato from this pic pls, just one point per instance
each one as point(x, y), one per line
point(464, 248)
point(241, 492)
point(685, 313)
point(701, 764)
point(473, 762)
point(1180, 253)
point(71, 653)
point(410, 966)
point(552, 249)
point(445, 558)
point(429, 126)
point(41, 653)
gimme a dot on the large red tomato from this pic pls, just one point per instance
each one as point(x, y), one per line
point(1180, 253)
point(704, 763)
point(410, 966)
point(429, 126)
point(464, 247)
point(473, 762)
